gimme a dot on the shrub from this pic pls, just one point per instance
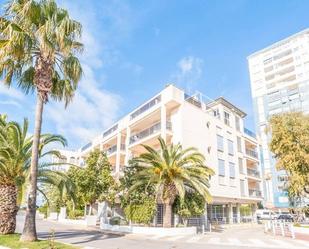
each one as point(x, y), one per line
point(43, 210)
point(75, 214)
point(193, 205)
point(141, 213)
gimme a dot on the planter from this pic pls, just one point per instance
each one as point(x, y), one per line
point(91, 220)
point(173, 231)
point(53, 216)
point(63, 213)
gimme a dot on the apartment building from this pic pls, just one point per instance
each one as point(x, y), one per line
point(279, 76)
point(215, 128)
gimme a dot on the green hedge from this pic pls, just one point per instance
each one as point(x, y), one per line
point(141, 213)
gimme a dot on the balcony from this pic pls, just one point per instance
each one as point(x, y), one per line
point(255, 193)
point(253, 172)
point(111, 130)
point(113, 149)
point(252, 153)
point(149, 131)
point(88, 145)
point(146, 107)
point(249, 133)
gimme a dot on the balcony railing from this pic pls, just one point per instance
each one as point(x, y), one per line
point(255, 193)
point(88, 145)
point(113, 149)
point(253, 172)
point(252, 153)
point(145, 107)
point(250, 133)
point(111, 130)
point(149, 131)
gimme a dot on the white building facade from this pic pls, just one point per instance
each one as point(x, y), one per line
point(215, 128)
point(279, 76)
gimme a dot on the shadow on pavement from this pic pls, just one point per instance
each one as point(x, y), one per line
point(79, 237)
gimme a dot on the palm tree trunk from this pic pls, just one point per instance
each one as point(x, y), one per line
point(167, 215)
point(29, 231)
point(8, 208)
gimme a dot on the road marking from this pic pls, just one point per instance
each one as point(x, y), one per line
point(160, 236)
point(234, 241)
point(258, 242)
point(194, 239)
point(214, 240)
point(302, 242)
point(174, 238)
point(282, 243)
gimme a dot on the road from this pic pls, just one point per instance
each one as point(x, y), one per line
point(233, 238)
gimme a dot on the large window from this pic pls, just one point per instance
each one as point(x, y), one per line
point(232, 169)
point(216, 113)
point(230, 147)
point(220, 144)
point(241, 166)
point(239, 149)
point(221, 167)
point(227, 118)
point(237, 123)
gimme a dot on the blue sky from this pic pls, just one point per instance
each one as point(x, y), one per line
point(133, 48)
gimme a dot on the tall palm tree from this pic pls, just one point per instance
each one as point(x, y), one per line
point(172, 171)
point(15, 157)
point(38, 46)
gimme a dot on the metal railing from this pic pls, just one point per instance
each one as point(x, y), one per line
point(145, 107)
point(255, 193)
point(111, 150)
point(111, 130)
point(253, 172)
point(252, 153)
point(88, 145)
point(250, 133)
point(149, 131)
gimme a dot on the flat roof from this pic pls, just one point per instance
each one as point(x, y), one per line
point(278, 43)
point(228, 104)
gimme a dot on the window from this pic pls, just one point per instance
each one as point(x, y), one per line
point(242, 187)
point(232, 169)
point(221, 167)
point(237, 123)
point(230, 147)
point(220, 144)
point(216, 113)
point(241, 166)
point(239, 149)
point(227, 118)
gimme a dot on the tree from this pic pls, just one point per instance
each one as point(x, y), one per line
point(94, 182)
point(37, 50)
point(172, 171)
point(290, 146)
point(139, 205)
point(192, 205)
point(15, 156)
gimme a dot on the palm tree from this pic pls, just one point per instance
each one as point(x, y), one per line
point(15, 157)
point(172, 171)
point(38, 44)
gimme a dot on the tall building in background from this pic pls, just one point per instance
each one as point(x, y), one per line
point(279, 77)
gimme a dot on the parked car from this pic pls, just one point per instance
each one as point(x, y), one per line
point(285, 217)
point(264, 214)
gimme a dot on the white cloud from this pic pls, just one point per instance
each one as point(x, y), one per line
point(11, 92)
point(189, 71)
point(10, 102)
point(93, 109)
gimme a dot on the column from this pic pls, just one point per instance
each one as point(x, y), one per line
point(230, 213)
point(238, 212)
point(254, 208)
point(127, 156)
point(163, 122)
point(118, 152)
